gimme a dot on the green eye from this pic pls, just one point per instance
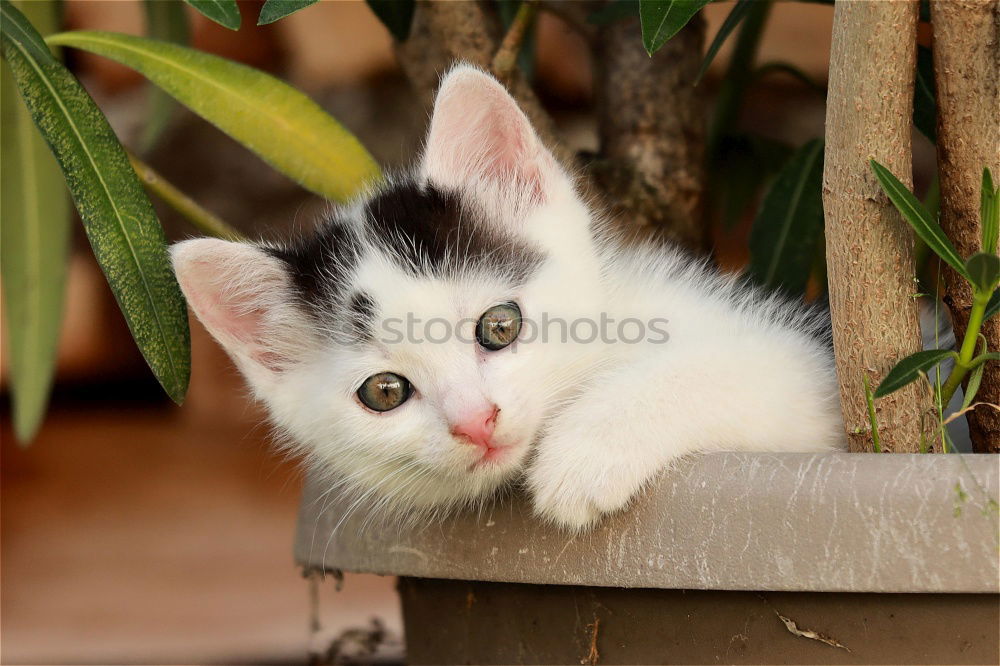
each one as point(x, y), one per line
point(499, 326)
point(384, 391)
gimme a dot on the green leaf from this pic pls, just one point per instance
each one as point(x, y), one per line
point(989, 212)
point(16, 27)
point(34, 249)
point(919, 218)
point(283, 126)
point(396, 16)
point(224, 12)
point(975, 377)
point(972, 388)
point(789, 223)
point(910, 368)
point(662, 19)
point(993, 306)
point(166, 20)
point(738, 76)
point(118, 218)
point(274, 10)
point(739, 11)
point(924, 104)
point(984, 270)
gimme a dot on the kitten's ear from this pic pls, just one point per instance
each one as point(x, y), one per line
point(244, 298)
point(478, 134)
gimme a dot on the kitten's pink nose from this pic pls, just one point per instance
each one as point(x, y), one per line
point(478, 427)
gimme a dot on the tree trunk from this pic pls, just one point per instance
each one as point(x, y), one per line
point(652, 130)
point(651, 116)
point(444, 33)
point(967, 74)
point(869, 247)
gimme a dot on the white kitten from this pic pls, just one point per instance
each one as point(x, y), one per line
point(471, 324)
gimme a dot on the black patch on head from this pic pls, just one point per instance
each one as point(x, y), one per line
point(361, 315)
point(428, 228)
point(424, 229)
point(316, 262)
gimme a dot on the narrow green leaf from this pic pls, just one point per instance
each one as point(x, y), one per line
point(788, 226)
point(984, 270)
point(283, 126)
point(989, 212)
point(736, 15)
point(118, 218)
point(919, 218)
point(224, 12)
point(395, 15)
point(16, 27)
point(910, 368)
point(274, 10)
point(34, 249)
point(975, 377)
point(924, 104)
point(738, 76)
point(662, 19)
point(993, 306)
point(166, 20)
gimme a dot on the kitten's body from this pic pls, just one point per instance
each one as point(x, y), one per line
point(585, 408)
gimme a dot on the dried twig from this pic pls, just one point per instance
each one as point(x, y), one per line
point(593, 656)
point(505, 59)
point(446, 32)
point(808, 633)
point(969, 409)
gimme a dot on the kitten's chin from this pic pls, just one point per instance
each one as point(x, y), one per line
point(500, 460)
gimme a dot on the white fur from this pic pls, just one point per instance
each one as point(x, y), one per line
point(589, 424)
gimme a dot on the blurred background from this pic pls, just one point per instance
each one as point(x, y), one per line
point(134, 530)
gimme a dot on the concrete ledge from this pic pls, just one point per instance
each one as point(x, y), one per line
point(726, 521)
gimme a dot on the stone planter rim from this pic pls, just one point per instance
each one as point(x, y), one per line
point(836, 522)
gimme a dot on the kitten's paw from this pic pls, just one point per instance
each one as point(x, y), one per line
point(576, 494)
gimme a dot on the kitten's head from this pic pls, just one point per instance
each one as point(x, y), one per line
point(393, 345)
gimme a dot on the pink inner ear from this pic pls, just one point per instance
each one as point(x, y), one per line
point(478, 132)
point(238, 325)
point(230, 287)
point(514, 155)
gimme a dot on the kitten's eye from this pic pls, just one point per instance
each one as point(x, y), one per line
point(384, 391)
point(499, 326)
